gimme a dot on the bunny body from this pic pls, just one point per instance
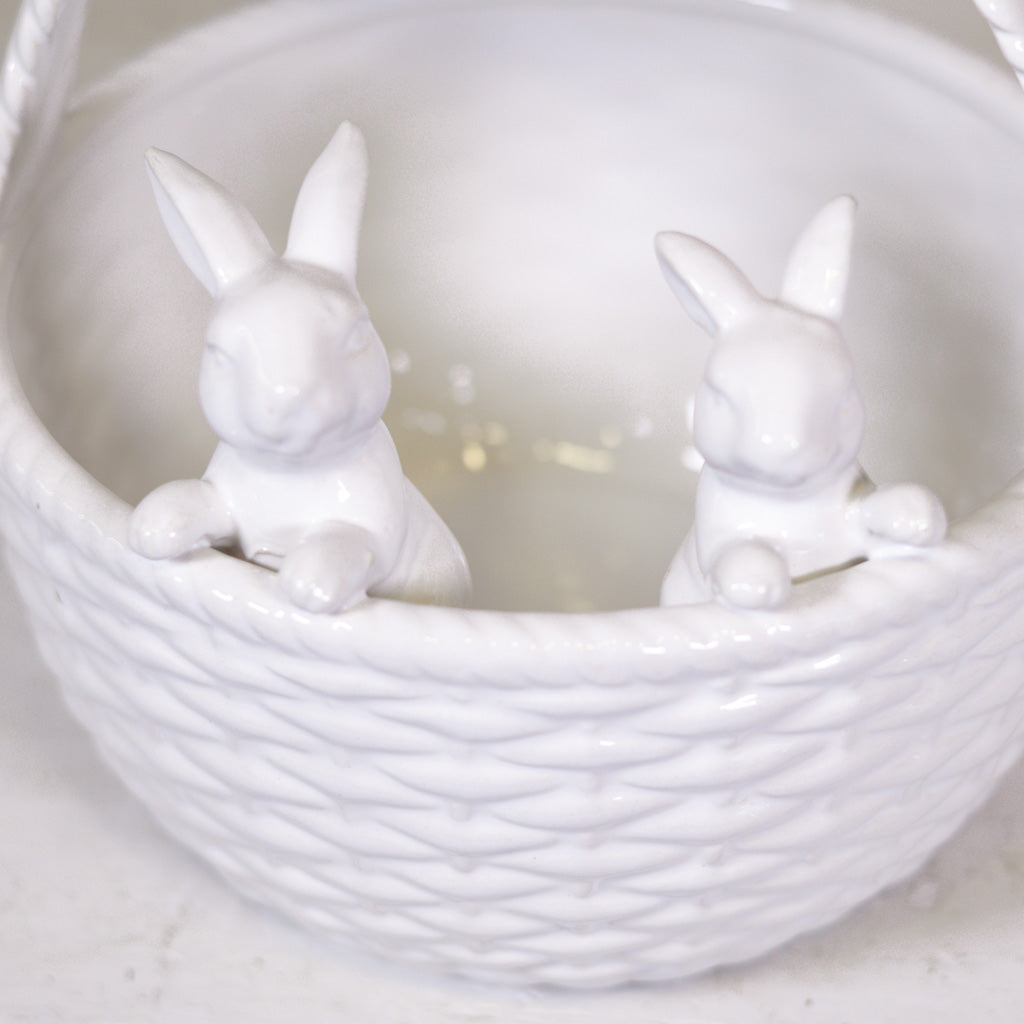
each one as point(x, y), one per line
point(362, 506)
point(294, 381)
point(779, 422)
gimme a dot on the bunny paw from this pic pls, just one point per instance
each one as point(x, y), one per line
point(905, 514)
point(328, 572)
point(179, 517)
point(751, 575)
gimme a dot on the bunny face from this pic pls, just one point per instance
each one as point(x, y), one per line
point(777, 406)
point(293, 366)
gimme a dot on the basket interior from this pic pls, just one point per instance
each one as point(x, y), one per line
point(523, 158)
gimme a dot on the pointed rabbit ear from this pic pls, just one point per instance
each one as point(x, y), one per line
point(217, 237)
point(329, 210)
point(712, 289)
point(819, 266)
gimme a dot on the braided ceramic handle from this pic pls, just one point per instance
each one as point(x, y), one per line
point(1007, 20)
point(38, 68)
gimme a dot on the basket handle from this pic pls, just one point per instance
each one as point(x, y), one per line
point(39, 66)
point(1006, 19)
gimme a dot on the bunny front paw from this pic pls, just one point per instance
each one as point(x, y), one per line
point(905, 514)
point(329, 571)
point(179, 517)
point(750, 575)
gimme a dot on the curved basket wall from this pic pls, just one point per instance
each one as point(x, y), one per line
point(697, 790)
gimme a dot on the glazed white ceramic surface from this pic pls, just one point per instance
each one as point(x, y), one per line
point(294, 380)
point(534, 796)
point(778, 421)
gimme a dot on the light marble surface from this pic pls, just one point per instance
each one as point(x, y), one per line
point(102, 919)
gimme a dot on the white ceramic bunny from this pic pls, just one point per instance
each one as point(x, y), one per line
point(294, 381)
point(778, 420)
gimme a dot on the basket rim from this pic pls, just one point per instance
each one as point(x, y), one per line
point(69, 502)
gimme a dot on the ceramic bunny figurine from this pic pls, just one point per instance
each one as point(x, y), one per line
point(779, 422)
point(294, 381)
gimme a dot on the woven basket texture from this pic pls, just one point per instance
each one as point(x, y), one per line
point(575, 800)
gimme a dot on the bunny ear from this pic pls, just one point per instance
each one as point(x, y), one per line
point(217, 237)
point(819, 266)
point(325, 225)
point(712, 289)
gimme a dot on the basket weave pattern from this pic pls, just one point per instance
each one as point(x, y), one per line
point(574, 800)
point(455, 802)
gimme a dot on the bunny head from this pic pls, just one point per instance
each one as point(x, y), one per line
point(777, 407)
point(292, 367)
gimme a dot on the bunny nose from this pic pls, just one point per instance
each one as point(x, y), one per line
point(277, 409)
point(780, 444)
point(792, 455)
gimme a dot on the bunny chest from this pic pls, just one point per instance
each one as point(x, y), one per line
point(275, 507)
point(814, 531)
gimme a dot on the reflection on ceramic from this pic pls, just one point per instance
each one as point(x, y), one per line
point(779, 421)
point(294, 381)
point(530, 796)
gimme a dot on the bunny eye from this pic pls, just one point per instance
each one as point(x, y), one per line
point(717, 398)
point(358, 335)
point(218, 356)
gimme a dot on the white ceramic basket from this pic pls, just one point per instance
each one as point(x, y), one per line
point(569, 796)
